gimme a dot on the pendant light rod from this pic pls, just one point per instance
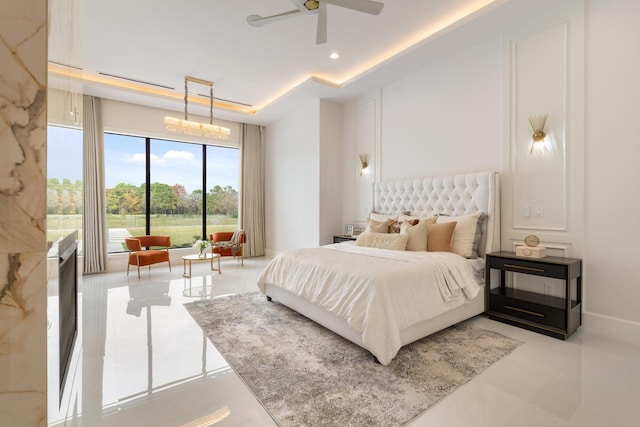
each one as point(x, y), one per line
point(199, 81)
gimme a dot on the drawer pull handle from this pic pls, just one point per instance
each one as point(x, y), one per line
point(524, 268)
point(524, 311)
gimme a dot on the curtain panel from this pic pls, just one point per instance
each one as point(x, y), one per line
point(94, 218)
point(252, 189)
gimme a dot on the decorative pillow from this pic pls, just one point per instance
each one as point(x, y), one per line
point(396, 242)
point(466, 235)
point(439, 237)
point(417, 234)
point(431, 219)
point(377, 226)
point(395, 226)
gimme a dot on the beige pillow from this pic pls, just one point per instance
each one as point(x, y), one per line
point(382, 217)
point(466, 235)
point(377, 226)
point(439, 237)
point(396, 242)
point(417, 234)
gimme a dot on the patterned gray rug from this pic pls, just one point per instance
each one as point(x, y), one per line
point(305, 375)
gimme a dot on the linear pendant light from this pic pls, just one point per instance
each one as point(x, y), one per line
point(191, 128)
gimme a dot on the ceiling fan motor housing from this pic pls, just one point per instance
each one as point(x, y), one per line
point(311, 4)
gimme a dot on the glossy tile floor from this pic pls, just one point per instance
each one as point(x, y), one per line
point(141, 360)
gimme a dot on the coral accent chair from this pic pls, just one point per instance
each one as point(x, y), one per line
point(141, 257)
point(228, 243)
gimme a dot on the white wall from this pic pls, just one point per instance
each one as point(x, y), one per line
point(361, 135)
point(612, 172)
point(444, 119)
point(454, 116)
point(330, 171)
point(303, 176)
point(292, 176)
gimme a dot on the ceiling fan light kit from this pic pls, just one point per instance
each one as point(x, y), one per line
point(318, 7)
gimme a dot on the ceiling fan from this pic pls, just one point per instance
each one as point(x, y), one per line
point(319, 7)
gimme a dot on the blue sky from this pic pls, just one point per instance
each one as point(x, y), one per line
point(171, 162)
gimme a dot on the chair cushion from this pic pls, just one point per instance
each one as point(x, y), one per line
point(149, 257)
point(139, 256)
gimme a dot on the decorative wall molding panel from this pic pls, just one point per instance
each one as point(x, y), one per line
point(543, 73)
point(367, 141)
point(538, 86)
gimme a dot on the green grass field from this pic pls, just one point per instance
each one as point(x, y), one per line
point(183, 229)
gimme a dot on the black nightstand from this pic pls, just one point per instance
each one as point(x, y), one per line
point(342, 238)
point(558, 317)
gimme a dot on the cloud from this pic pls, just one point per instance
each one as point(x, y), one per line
point(182, 156)
point(135, 158)
point(169, 158)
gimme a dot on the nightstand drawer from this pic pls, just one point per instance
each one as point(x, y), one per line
point(528, 267)
point(541, 309)
point(343, 238)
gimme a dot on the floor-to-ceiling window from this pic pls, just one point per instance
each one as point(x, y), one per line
point(222, 188)
point(159, 187)
point(64, 183)
point(176, 172)
point(153, 186)
point(125, 165)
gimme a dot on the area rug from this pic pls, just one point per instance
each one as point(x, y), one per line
point(305, 375)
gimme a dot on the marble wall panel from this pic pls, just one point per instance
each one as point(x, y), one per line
point(23, 299)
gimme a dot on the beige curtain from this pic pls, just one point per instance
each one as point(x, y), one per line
point(94, 221)
point(252, 189)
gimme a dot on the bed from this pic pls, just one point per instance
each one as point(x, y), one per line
point(383, 299)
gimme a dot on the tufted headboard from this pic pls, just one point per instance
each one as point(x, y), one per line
point(451, 195)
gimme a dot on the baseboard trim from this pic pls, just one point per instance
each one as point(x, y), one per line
point(620, 329)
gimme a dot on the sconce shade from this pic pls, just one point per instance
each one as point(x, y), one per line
point(538, 143)
point(364, 166)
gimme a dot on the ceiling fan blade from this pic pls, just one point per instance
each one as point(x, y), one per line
point(259, 21)
point(321, 32)
point(366, 6)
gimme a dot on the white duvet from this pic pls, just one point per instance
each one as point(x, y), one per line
point(377, 292)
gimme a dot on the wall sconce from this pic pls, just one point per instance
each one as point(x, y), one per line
point(538, 143)
point(364, 166)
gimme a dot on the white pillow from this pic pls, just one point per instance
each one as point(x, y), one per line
point(417, 235)
point(466, 235)
point(396, 242)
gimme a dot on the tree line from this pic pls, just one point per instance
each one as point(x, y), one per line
point(65, 198)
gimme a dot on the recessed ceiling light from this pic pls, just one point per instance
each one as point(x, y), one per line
point(334, 55)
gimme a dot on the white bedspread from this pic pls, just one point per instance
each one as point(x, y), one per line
point(377, 292)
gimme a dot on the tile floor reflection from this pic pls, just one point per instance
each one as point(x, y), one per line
point(140, 359)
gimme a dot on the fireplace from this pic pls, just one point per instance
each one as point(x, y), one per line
point(68, 301)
